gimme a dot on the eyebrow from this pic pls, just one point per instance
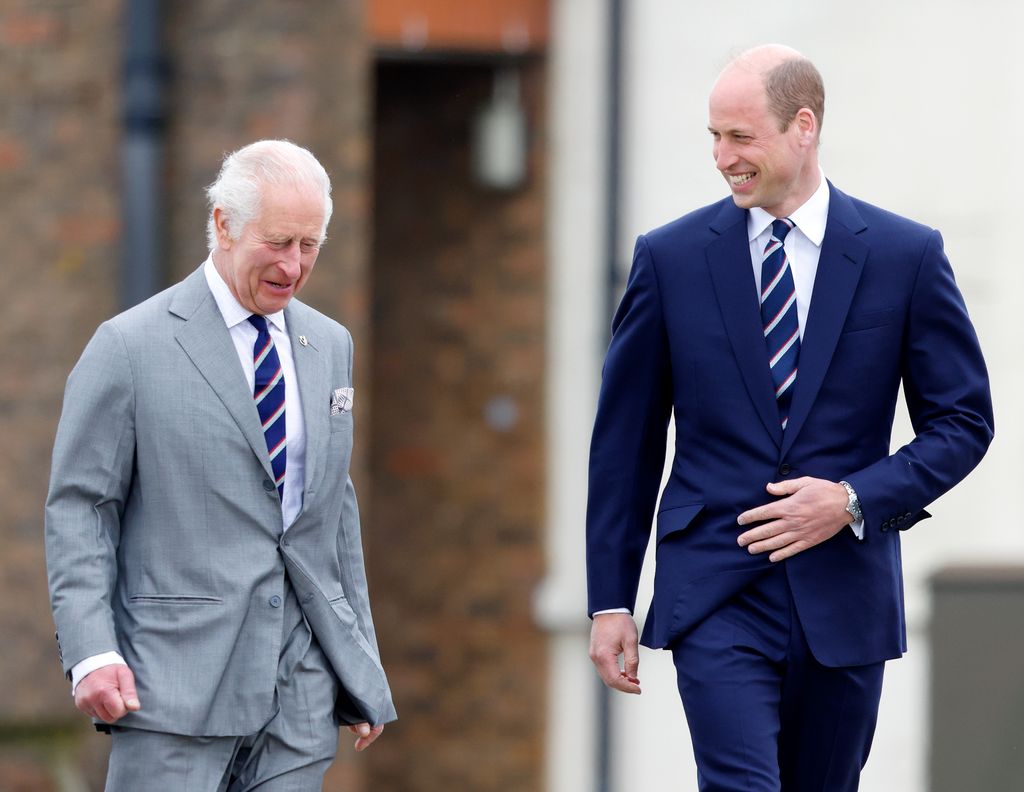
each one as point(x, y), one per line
point(731, 131)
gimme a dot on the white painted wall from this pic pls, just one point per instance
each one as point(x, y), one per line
point(924, 104)
point(575, 328)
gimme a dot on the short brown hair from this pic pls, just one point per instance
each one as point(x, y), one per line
point(792, 85)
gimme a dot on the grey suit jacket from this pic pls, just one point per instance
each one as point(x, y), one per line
point(163, 529)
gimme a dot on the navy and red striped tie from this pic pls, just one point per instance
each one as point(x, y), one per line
point(779, 317)
point(268, 392)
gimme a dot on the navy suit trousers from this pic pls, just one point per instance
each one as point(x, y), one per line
point(764, 714)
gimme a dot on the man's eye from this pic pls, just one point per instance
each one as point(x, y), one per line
point(309, 247)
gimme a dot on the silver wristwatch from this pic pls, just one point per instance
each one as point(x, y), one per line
point(853, 504)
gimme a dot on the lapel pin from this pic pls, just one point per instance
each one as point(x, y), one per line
point(303, 340)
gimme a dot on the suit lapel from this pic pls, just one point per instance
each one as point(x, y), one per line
point(311, 373)
point(206, 341)
point(729, 263)
point(839, 268)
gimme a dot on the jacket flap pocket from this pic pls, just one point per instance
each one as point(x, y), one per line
point(869, 319)
point(672, 520)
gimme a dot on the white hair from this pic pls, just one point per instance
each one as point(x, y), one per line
point(246, 172)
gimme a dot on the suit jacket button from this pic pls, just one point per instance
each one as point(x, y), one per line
point(268, 485)
point(908, 515)
point(885, 526)
point(785, 469)
point(275, 601)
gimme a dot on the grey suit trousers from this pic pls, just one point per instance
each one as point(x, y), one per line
point(290, 753)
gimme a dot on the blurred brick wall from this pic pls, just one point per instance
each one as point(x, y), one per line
point(59, 231)
point(456, 450)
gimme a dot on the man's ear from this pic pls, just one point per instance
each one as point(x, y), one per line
point(220, 224)
point(807, 123)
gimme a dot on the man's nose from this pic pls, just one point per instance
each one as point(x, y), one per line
point(290, 258)
point(724, 156)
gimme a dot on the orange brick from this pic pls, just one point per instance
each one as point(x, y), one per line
point(29, 28)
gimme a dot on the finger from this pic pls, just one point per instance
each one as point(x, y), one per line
point(113, 704)
point(631, 657)
point(773, 543)
point(788, 486)
point(779, 489)
point(625, 685)
point(126, 684)
point(607, 664)
point(615, 677)
point(789, 551)
point(751, 516)
point(365, 741)
point(760, 533)
point(767, 511)
point(101, 712)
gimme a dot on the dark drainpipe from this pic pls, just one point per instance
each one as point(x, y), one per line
point(142, 153)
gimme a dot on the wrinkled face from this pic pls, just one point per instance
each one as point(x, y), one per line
point(762, 166)
point(271, 259)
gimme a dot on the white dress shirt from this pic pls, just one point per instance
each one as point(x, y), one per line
point(243, 334)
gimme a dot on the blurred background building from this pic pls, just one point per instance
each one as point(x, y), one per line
point(492, 163)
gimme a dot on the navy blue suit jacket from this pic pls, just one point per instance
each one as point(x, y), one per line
point(687, 340)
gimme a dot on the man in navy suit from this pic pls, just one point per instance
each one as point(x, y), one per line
point(778, 584)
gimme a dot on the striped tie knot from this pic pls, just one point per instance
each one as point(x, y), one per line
point(781, 227)
point(779, 316)
point(268, 392)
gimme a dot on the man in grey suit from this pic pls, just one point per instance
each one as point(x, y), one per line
point(202, 534)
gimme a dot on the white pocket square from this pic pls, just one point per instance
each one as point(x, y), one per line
point(341, 400)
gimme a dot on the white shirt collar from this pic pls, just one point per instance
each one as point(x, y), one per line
point(811, 218)
point(233, 311)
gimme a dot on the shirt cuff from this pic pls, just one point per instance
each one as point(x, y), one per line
point(81, 670)
point(857, 526)
point(612, 610)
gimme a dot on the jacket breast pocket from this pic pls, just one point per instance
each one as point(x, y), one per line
point(869, 319)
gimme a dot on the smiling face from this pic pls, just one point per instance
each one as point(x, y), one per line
point(273, 255)
point(763, 166)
